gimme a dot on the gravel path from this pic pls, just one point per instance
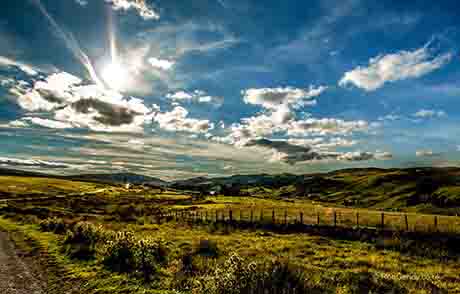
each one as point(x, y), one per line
point(17, 275)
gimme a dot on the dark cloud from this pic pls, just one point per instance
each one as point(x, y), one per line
point(109, 114)
point(293, 154)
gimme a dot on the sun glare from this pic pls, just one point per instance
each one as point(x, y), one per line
point(114, 76)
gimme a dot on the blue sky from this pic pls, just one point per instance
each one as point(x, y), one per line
point(177, 89)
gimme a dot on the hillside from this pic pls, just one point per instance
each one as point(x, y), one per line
point(428, 190)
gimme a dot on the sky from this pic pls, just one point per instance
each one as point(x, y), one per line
point(180, 89)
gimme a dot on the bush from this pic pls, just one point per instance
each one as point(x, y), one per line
point(54, 224)
point(125, 254)
point(366, 282)
point(82, 239)
point(208, 248)
point(119, 255)
point(234, 277)
point(237, 276)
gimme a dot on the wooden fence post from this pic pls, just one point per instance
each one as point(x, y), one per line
point(382, 221)
point(357, 219)
point(335, 218)
point(406, 221)
point(435, 222)
point(301, 218)
point(273, 216)
point(317, 218)
point(230, 215)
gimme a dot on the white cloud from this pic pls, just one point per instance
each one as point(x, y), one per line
point(180, 95)
point(141, 7)
point(47, 123)
point(33, 101)
point(161, 63)
point(426, 153)
point(325, 126)
point(394, 67)
point(271, 98)
point(195, 96)
point(389, 117)
point(82, 2)
point(45, 95)
point(429, 113)
point(321, 144)
point(177, 121)
point(264, 125)
point(30, 163)
point(81, 106)
point(28, 69)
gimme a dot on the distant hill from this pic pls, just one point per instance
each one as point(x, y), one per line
point(119, 178)
point(430, 190)
point(21, 173)
point(200, 183)
point(427, 189)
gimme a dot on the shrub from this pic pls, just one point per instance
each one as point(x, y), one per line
point(234, 277)
point(82, 239)
point(125, 254)
point(237, 276)
point(119, 253)
point(54, 224)
point(366, 282)
point(208, 248)
point(148, 254)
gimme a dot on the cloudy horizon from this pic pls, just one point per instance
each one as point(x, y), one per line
point(214, 87)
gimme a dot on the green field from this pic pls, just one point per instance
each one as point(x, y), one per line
point(110, 239)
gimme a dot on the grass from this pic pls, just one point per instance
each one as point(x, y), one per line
point(110, 241)
point(23, 186)
point(330, 263)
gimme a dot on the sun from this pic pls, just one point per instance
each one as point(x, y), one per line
point(114, 76)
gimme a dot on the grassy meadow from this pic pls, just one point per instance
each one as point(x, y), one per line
point(100, 238)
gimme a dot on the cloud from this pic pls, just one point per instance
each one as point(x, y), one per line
point(140, 6)
point(28, 69)
point(73, 104)
point(394, 67)
point(390, 117)
point(322, 144)
point(426, 153)
point(177, 121)
point(271, 98)
point(82, 2)
point(292, 154)
point(6, 161)
point(198, 96)
point(283, 122)
point(161, 63)
point(46, 123)
point(325, 126)
point(284, 151)
point(429, 113)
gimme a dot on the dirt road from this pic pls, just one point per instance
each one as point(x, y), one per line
point(17, 275)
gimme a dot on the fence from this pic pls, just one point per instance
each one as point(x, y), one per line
point(328, 217)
